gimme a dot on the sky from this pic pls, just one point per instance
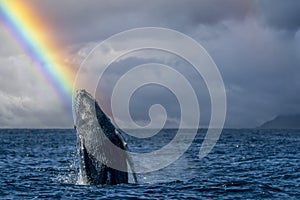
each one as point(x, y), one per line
point(255, 44)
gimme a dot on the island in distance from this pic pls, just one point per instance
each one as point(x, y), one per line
point(282, 122)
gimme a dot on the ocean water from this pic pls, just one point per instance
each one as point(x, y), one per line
point(244, 164)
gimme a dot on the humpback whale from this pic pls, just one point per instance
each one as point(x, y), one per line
point(101, 147)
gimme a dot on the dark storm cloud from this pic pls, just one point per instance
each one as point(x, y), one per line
point(255, 44)
point(84, 21)
point(151, 94)
point(281, 14)
point(260, 68)
point(204, 12)
point(93, 20)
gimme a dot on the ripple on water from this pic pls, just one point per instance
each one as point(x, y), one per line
point(244, 164)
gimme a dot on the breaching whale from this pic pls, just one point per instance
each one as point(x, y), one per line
point(102, 155)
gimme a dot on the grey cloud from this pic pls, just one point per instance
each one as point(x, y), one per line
point(281, 14)
point(260, 69)
point(152, 94)
point(259, 66)
point(256, 45)
point(7, 47)
point(26, 100)
point(29, 111)
point(95, 20)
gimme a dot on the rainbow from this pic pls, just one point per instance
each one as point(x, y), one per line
point(32, 34)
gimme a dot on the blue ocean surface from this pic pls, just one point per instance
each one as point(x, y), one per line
point(244, 164)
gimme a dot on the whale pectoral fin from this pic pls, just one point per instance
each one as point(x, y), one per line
point(91, 167)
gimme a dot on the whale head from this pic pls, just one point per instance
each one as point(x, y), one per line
point(101, 149)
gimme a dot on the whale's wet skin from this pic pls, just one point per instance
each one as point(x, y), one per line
point(102, 155)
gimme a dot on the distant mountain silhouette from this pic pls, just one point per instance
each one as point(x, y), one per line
point(283, 122)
